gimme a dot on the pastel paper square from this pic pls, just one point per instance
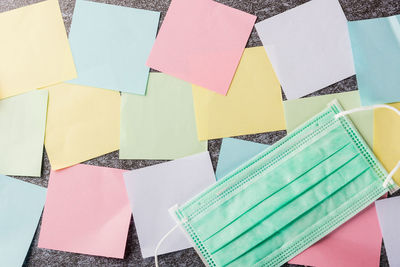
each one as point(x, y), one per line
point(234, 152)
point(160, 125)
point(34, 49)
point(23, 124)
point(21, 206)
point(110, 45)
point(153, 190)
point(386, 138)
point(376, 51)
point(389, 217)
point(355, 243)
point(252, 105)
point(309, 46)
point(298, 111)
point(87, 211)
point(201, 42)
point(82, 124)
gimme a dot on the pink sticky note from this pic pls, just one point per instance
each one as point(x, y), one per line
point(355, 243)
point(87, 211)
point(201, 42)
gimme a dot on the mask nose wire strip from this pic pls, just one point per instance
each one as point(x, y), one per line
point(347, 112)
point(163, 239)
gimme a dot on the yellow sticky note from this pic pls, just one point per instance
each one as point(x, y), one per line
point(253, 103)
point(386, 138)
point(34, 49)
point(82, 123)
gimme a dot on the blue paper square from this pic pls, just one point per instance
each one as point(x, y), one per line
point(110, 45)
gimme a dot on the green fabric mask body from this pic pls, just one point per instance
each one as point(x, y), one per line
point(287, 197)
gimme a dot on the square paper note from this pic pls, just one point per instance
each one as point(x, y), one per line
point(252, 105)
point(376, 50)
point(82, 123)
point(300, 110)
point(160, 125)
point(386, 138)
point(355, 243)
point(201, 42)
point(87, 211)
point(389, 216)
point(111, 44)
point(23, 124)
point(21, 206)
point(34, 49)
point(308, 46)
point(155, 189)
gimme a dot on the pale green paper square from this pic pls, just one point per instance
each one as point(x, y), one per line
point(300, 110)
point(160, 125)
point(21, 206)
point(23, 123)
point(111, 44)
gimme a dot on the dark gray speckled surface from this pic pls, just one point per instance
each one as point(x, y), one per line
point(354, 10)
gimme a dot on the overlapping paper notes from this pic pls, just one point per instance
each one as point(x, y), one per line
point(201, 42)
point(252, 105)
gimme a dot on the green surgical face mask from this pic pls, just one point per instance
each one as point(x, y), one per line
point(286, 198)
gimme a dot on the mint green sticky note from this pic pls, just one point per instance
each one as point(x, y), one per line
point(160, 125)
point(234, 152)
point(298, 111)
point(376, 51)
point(21, 206)
point(110, 45)
point(23, 124)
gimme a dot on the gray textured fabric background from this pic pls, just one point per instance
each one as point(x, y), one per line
point(354, 10)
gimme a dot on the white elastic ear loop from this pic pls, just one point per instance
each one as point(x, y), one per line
point(347, 112)
point(161, 241)
point(389, 177)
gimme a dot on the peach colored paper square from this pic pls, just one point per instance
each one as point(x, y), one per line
point(201, 42)
point(87, 211)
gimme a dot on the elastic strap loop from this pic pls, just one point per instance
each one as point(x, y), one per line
point(163, 239)
point(354, 110)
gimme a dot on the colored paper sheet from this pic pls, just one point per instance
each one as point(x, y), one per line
point(23, 124)
point(376, 51)
point(355, 243)
point(252, 105)
point(34, 49)
point(204, 50)
point(111, 44)
point(21, 206)
point(87, 211)
point(388, 215)
point(160, 125)
point(386, 138)
point(300, 110)
point(155, 189)
point(309, 46)
point(233, 153)
point(82, 123)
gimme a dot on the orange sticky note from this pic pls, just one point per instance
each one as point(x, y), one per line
point(87, 211)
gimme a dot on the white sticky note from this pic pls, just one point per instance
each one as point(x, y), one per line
point(308, 46)
point(389, 216)
point(155, 189)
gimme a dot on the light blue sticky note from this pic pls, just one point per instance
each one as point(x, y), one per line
point(376, 51)
point(110, 45)
point(21, 206)
point(234, 152)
